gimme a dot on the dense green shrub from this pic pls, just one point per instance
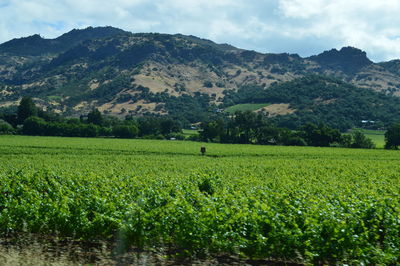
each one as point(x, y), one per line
point(392, 136)
point(125, 131)
point(6, 128)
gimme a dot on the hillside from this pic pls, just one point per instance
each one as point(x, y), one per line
point(320, 99)
point(120, 72)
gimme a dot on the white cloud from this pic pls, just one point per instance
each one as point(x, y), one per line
point(368, 24)
point(301, 9)
point(303, 26)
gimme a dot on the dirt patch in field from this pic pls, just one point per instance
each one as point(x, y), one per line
point(277, 109)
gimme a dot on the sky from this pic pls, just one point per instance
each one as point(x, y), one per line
point(305, 27)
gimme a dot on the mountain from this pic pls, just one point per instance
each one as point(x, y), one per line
point(121, 72)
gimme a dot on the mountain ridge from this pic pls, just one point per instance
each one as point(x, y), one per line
point(36, 45)
point(121, 72)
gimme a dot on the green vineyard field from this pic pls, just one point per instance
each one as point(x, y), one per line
point(301, 204)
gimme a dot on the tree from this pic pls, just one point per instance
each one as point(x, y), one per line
point(34, 125)
point(90, 130)
point(212, 130)
point(289, 138)
point(392, 136)
point(168, 126)
point(5, 128)
point(321, 135)
point(346, 140)
point(10, 118)
point(247, 122)
point(148, 126)
point(207, 84)
point(95, 117)
point(48, 116)
point(125, 131)
point(26, 108)
point(361, 141)
point(267, 135)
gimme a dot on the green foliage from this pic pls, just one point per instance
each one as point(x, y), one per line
point(305, 205)
point(107, 91)
point(50, 124)
point(125, 131)
point(6, 128)
point(26, 108)
point(175, 136)
point(168, 126)
point(377, 136)
point(320, 135)
point(95, 117)
point(212, 130)
point(320, 99)
point(9, 117)
point(346, 140)
point(361, 141)
point(245, 94)
point(249, 127)
point(244, 125)
point(392, 136)
point(39, 127)
point(188, 109)
point(34, 126)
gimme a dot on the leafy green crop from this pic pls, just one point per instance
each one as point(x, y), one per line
point(310, 205)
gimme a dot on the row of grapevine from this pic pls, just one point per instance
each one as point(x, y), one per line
point(308, 205)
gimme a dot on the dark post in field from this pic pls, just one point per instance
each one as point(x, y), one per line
point(203, 150)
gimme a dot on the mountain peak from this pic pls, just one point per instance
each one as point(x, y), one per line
point(353, 52)
point(347, 59)
point(90, 33)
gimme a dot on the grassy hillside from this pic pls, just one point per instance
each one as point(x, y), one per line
point(245, 107)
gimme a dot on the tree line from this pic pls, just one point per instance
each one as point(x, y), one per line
point(242, 128)
point(251, 128)
point(31, 120)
